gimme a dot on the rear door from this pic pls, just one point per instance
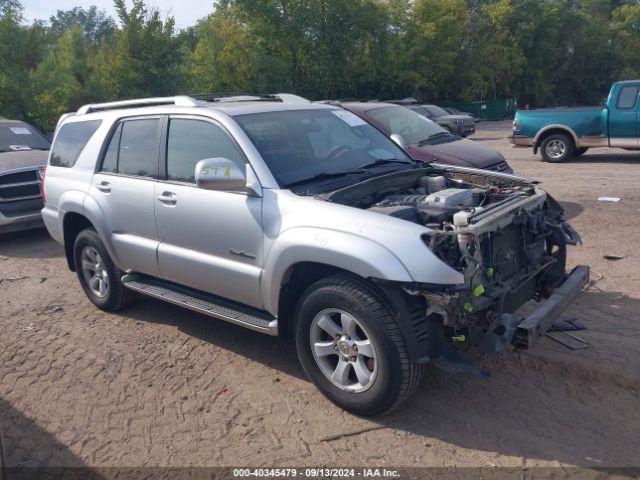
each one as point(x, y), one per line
point(210, 240)
point(623, 118)
point(124, 188)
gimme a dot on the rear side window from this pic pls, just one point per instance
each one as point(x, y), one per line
point(193, 140)
point(110, 162)
point(70, 141)
point(627, 97)
point(133, 148)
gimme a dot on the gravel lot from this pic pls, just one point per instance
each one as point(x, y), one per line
point(157, 385)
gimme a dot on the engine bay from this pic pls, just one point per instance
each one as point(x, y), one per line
point(441, 203)
point(506, 236)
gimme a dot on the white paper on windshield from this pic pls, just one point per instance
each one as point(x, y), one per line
point(20, 130)
point(349, 118)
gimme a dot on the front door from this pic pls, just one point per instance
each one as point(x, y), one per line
point(209, 240)
point(124, 188)
point(623, 118)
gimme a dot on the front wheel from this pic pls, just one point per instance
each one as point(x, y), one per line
point(556, 148)
point(351, 347)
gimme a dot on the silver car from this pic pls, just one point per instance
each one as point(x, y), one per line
point(23, 156)
point(302, 220)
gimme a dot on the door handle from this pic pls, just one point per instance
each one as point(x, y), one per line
point(168, 198)
point(104, 187)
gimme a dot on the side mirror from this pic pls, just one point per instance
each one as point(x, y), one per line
point(398, 140)
point(220, 174)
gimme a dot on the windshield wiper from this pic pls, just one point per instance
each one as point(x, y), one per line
point(434, 137)
point(325, 176)
point(361, 169)
point(383, 161)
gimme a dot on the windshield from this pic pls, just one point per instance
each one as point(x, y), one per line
point(411, 126)
point(436, 111)
point(20, 136)
point(302, 144)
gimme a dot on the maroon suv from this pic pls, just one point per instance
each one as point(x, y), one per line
point(424, 139)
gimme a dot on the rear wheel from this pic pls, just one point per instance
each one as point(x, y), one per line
point(556, 148)
point(99, 277)
point(351, 347)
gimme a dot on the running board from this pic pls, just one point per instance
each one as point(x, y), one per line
point(201, 302)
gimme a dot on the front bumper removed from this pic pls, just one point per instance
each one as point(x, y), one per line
point(513, 329)
point(524, 333)
point(528, 331)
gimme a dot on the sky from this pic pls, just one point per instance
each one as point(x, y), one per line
point(186, 12)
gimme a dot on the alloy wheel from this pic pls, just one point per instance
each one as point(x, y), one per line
point(94, 271)
point(556, 149)
point(343, 350)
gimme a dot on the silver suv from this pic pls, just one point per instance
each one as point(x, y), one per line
point(302, 220)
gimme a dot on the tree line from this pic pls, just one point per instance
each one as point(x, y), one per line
point(544, 52)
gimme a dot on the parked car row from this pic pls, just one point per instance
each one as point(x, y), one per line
point(455, 121)
point(307, 221)
point(424, 139)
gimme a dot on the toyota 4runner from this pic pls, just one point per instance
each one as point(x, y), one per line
point(302, 220)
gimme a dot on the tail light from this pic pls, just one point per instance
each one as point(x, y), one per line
point(43, 172)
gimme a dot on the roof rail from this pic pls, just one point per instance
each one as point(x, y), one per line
point(249, 97)
point(178, 101)
point(292, 98)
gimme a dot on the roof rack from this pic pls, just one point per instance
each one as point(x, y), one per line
point(179, 101)
point(249, 97)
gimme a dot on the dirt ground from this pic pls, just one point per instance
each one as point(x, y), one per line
point(156, 385)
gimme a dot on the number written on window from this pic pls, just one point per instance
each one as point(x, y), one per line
point(193, 140)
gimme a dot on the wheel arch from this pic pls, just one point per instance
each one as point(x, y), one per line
point(72, 224)
point(296, 279)
point(351, 253)
point(90, 216)
point(409, 311)
point(551, 130)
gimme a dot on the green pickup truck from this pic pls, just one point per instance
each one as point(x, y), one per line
point(561, 133)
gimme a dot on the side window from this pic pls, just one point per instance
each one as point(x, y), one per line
point(190, 141)
point(627, 97)
point(138, 152)
point(110, 162)
point(70, 141)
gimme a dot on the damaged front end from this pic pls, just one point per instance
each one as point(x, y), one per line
point(506, 236)
point(509, 254)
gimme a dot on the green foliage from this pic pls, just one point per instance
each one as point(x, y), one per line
point(62, 79)
point(433, 45)
point(96, 25)
point(626, 39)
point(545, 52)
point(225, 56)
point(143, 60)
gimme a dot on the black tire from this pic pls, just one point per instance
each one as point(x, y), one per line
point(397, 376)
point(117, 295)
point(557, 148)
point(580, 151)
